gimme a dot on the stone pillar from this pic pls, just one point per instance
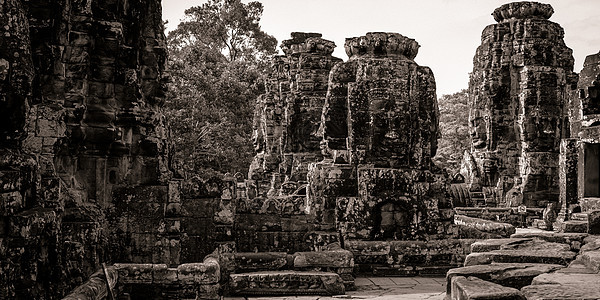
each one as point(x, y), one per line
point(568, 177)
point(520, 83)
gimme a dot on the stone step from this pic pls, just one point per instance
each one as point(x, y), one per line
point(579, 216)
point(520, 256)
point(496, 244)
point(563, 286)
point(574, 240)
point(282, 283)
point(473, 288)
point(523, 251)
point(515, 275)
point(573, 226)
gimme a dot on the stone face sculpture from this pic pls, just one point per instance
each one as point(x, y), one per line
point(380, 130)
point(288, 115)
point(286, 136)
point(518, 91)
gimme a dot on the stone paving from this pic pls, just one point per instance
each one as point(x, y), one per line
point(381, 288)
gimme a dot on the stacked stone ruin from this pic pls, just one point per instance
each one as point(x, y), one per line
point(380, 130)
point(343, 181)
point(518, 98)
point(82, 139)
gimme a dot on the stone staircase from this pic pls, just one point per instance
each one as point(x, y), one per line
point(543, 265)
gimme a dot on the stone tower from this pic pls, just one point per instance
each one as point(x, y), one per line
point(286, 126)
point(380, 130)
point(521, 78)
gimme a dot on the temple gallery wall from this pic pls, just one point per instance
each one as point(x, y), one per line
point(342, 183)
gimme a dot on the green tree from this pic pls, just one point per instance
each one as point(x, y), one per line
point(217, 60)
point(454, 119)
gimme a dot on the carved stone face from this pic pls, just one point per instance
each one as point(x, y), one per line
point(479, 130)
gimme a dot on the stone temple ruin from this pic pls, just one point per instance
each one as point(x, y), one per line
point(342, 184)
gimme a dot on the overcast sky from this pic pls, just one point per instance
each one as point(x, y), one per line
point(448, 31)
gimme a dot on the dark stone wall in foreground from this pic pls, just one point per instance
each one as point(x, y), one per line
point(84, 173)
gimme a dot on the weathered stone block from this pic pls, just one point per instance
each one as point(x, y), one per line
point(247, 261)
point(473, 288)
point(324, 259)
point(135, 273)
point(520, 256)
point(593, 219)
point(286, 283)
point(502, 229)
point(207, 272)
point(515, 275)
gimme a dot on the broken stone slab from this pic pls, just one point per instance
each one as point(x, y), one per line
point(278, 283)
point(324, 259)
point(487, 226)
point(495, 244)
point(566, 278)
point(516, 275)
point(135, 273)
point(573, 226)
point(591, 259)
point(573, 239)
point(207, 272)
point(520, 256)
point(262, 261)
point(577, 266)
point(473, 288)
point(585, 290)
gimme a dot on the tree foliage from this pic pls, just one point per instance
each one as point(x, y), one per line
point(217, 55)
point(454, 119)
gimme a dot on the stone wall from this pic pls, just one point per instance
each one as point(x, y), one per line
point(580, 154)
point(83, 142)
point(519, 88)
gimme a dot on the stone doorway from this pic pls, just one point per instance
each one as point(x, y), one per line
point(392, 220)
point(591, 176)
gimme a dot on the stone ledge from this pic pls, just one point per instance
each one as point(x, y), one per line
point(487, 226)
point(494, 244)
point(563, 292)
point(204, 273)
point(473, 288)
point(520, 256)
point(286, 283)
point(511, 275)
